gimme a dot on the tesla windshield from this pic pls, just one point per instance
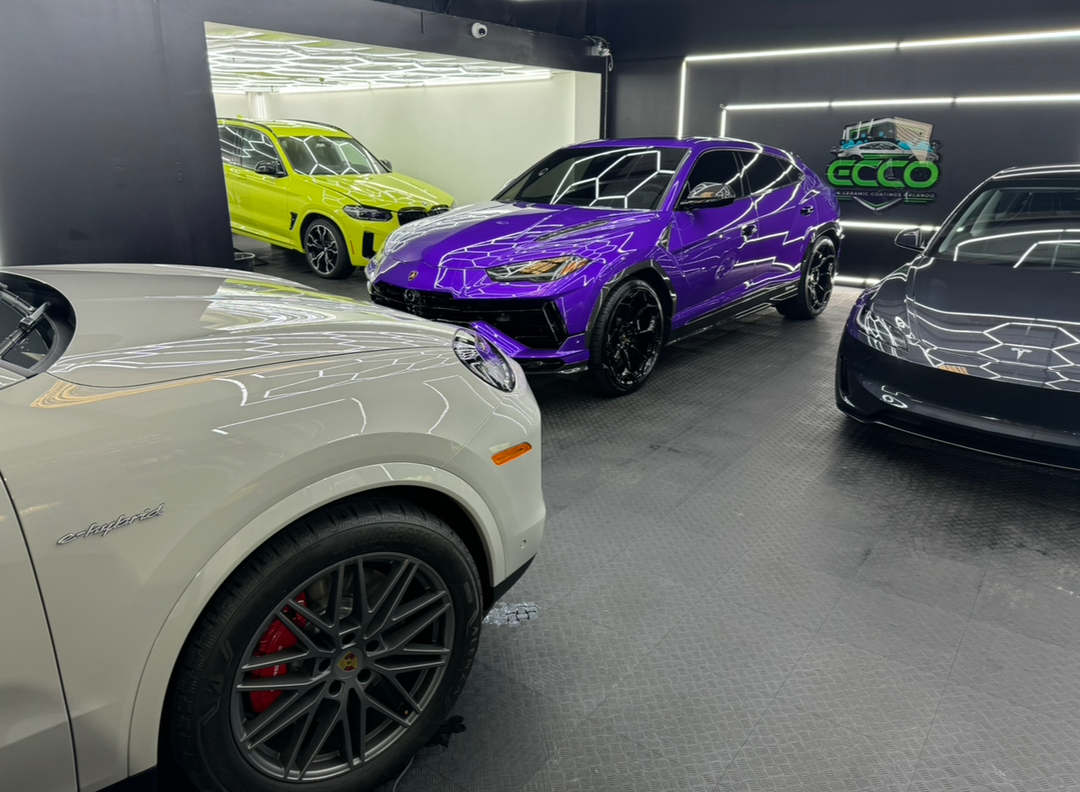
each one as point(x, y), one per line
point(632, 177)
point(329, 156)
point(1034, 224)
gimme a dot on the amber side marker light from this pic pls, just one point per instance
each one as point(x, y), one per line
point(510, 454)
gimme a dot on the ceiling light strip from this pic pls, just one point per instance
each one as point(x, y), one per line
point(874, 226)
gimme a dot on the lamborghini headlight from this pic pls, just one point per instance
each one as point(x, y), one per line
point(484, 360)
point(878, 328)
point(539, 271)
point(368, 213)
point(375, 264)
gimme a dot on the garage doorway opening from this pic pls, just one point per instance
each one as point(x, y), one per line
point(464, 125)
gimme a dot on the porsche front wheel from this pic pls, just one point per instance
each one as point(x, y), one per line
point(331, 656)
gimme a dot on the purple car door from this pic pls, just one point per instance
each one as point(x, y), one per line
point(710, 244)
point(778, 246)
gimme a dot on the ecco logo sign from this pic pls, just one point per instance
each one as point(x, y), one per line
point(891, 174)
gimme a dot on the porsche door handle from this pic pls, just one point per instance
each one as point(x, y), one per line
point(807, 210)
point(749, 230)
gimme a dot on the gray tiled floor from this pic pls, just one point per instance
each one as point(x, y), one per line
point(742, 590)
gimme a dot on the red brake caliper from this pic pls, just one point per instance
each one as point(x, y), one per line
point(277, 638)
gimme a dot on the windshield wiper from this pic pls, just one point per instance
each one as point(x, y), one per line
point(26, 325)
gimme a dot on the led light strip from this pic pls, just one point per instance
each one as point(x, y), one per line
point(850, 280)
point(1010, 38)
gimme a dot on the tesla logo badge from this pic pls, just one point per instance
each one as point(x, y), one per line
point(412, 295)
point(1020, 352)
point(349, 663)
point(412, 275)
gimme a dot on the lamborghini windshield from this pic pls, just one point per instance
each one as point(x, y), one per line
point(627, 177)
point(1029, 224)
point(329, 156)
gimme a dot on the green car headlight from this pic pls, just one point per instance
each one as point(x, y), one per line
point(540, 271)
point(368, 213)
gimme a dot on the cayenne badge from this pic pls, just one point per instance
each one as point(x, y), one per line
point(104, 529)
point(349, 663)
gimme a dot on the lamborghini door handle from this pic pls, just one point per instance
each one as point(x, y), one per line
point(807, 210)
point(749, 230)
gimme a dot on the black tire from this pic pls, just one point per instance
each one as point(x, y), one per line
point(626, 340)
point(325, 250)
point(815, 283)
point(405, 557)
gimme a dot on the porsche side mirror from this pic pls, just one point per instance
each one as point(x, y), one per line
point(270, 168)
point(911, 239)
point(388, 165)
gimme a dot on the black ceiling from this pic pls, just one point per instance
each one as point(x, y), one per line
point(564, 17)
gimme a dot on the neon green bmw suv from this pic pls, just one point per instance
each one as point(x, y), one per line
point(312, 188)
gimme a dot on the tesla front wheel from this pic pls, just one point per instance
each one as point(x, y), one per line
point(326, 251)
point(815, 283)
point(331, 656)
point(626, 341)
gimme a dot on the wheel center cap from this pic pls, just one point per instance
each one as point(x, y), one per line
point(347, 665)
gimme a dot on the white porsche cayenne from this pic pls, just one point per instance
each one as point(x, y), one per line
point(246, 529)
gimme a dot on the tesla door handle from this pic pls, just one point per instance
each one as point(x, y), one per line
point(807, 210)
point(749, 230)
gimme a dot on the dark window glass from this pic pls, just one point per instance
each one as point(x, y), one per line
point(232, 145)
point(717, 167)
point(634, 177)
point(257, 148)
point(1029, 224)
point(765, 172)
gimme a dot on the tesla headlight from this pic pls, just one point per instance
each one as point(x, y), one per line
point(484, 360)
point(877, 328)
point(540, 271)
point(369, 213)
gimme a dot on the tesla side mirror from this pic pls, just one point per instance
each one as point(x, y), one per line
point(270, 168)
point(388, 165)
point(708, 195)
point(911, 239)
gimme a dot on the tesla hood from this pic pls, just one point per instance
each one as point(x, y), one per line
point(143, 324)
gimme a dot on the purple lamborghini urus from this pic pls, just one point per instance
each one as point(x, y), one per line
point(604, 252)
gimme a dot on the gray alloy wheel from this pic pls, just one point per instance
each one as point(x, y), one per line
point(815, 284)
point(350, 683)
point(331, 656)
point(326, 251)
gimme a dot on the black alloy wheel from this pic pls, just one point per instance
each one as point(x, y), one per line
point(815, 284)
point(326, 250)
point(626, 342)
point(331, 656)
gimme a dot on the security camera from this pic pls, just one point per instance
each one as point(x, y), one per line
point(479, 30)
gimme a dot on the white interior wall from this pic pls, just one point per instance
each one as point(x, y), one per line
point(467, 139)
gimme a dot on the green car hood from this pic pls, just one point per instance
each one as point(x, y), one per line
point(392, 191)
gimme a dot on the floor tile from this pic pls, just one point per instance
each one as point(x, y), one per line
point(790, 592)
point(923, 577)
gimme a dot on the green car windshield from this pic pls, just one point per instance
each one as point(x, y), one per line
point(317, 155)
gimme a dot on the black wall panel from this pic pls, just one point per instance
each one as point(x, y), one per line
point(108, 147)
point(650, 40)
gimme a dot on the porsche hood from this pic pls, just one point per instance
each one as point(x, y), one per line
point(142, 324)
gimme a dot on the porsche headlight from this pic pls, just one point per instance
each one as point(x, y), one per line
point(484, 360)
point(877, 328)
point(369, 213)
point(539, 271)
